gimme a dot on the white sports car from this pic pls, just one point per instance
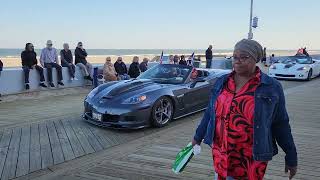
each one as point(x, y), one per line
point(295, 67)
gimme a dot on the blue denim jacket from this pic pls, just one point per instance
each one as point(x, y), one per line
point(271, 121)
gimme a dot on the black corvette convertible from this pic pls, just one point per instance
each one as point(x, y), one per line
point(160, 94)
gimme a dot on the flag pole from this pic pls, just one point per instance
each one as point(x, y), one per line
point(250, 34)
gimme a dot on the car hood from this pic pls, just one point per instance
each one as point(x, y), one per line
point(128, 88)
point(290, 66)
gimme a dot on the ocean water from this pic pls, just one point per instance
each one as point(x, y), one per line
point(228, 52)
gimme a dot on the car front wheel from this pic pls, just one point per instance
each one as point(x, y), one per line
point(309, 75)
point(162, 112)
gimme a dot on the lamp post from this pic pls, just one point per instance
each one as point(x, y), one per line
point(250, 34)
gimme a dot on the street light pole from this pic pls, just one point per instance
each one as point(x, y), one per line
point(250, 34)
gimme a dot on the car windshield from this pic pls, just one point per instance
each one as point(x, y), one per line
point(297, 59)
point(167, 73)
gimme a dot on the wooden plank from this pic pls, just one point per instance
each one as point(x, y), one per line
point(110, 136)
point(4, 146)
point(64, 141)
point(92, 139)
point(35, 149)
point(55, 144)
point(81, 137)
point(75, 144)
point(9, 170)
point(103, 141)
point(45, 148)
point(23, 159)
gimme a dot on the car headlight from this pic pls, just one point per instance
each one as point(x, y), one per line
point(302, 68)
point(273, 67)
point(135, 99)
point(93, 93)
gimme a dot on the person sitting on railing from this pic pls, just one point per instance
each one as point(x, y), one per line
point(183, 60)
point(171, 59)
point(80, 60)
point(176, 59)
point(49, 60)
point(144, 65)
point(29, 61)
point(134, 70)
point(109, 72)
point(121, 69)
point(67, 61)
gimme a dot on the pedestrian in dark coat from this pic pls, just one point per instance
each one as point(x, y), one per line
point(121, 69)
point(144, 65)
point(209, 57)
point(134, 70)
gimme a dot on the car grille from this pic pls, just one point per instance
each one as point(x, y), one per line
point(106, 117)
point(110, 118)
point(285, 75)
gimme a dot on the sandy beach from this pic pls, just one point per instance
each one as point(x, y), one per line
point(98, 59)
point(15, 61)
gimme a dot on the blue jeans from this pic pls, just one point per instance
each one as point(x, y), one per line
point(208, 63)
point(216, 177)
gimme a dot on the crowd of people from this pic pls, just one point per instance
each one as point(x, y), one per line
point(119, 71)
point(175, 59)
point(49, 60)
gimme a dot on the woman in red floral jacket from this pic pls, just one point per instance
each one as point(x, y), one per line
point(245, 117)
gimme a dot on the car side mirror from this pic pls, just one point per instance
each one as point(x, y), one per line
point(195, 81)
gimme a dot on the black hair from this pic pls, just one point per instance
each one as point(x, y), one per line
point(26, 48)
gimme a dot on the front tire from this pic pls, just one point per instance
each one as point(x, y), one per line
point(309, 75)
point(162, 112)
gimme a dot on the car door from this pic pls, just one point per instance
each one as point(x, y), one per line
point(316, 68)
point(197, 97)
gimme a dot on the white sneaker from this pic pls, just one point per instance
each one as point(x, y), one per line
point(71, 79)
point(75, 79)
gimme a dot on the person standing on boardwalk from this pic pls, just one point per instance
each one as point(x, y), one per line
point(264, 55)
point(209, 56)
point(1, 68)
point(246, 119)
point(67, 60)
point(49, 60)
point(80, 60)
point(305, 52)
point(29, 61)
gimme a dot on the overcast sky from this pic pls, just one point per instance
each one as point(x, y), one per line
point(161, 24)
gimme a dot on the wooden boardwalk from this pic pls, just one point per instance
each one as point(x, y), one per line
point(151, 157)
point(46, 139)
point(30, 148)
